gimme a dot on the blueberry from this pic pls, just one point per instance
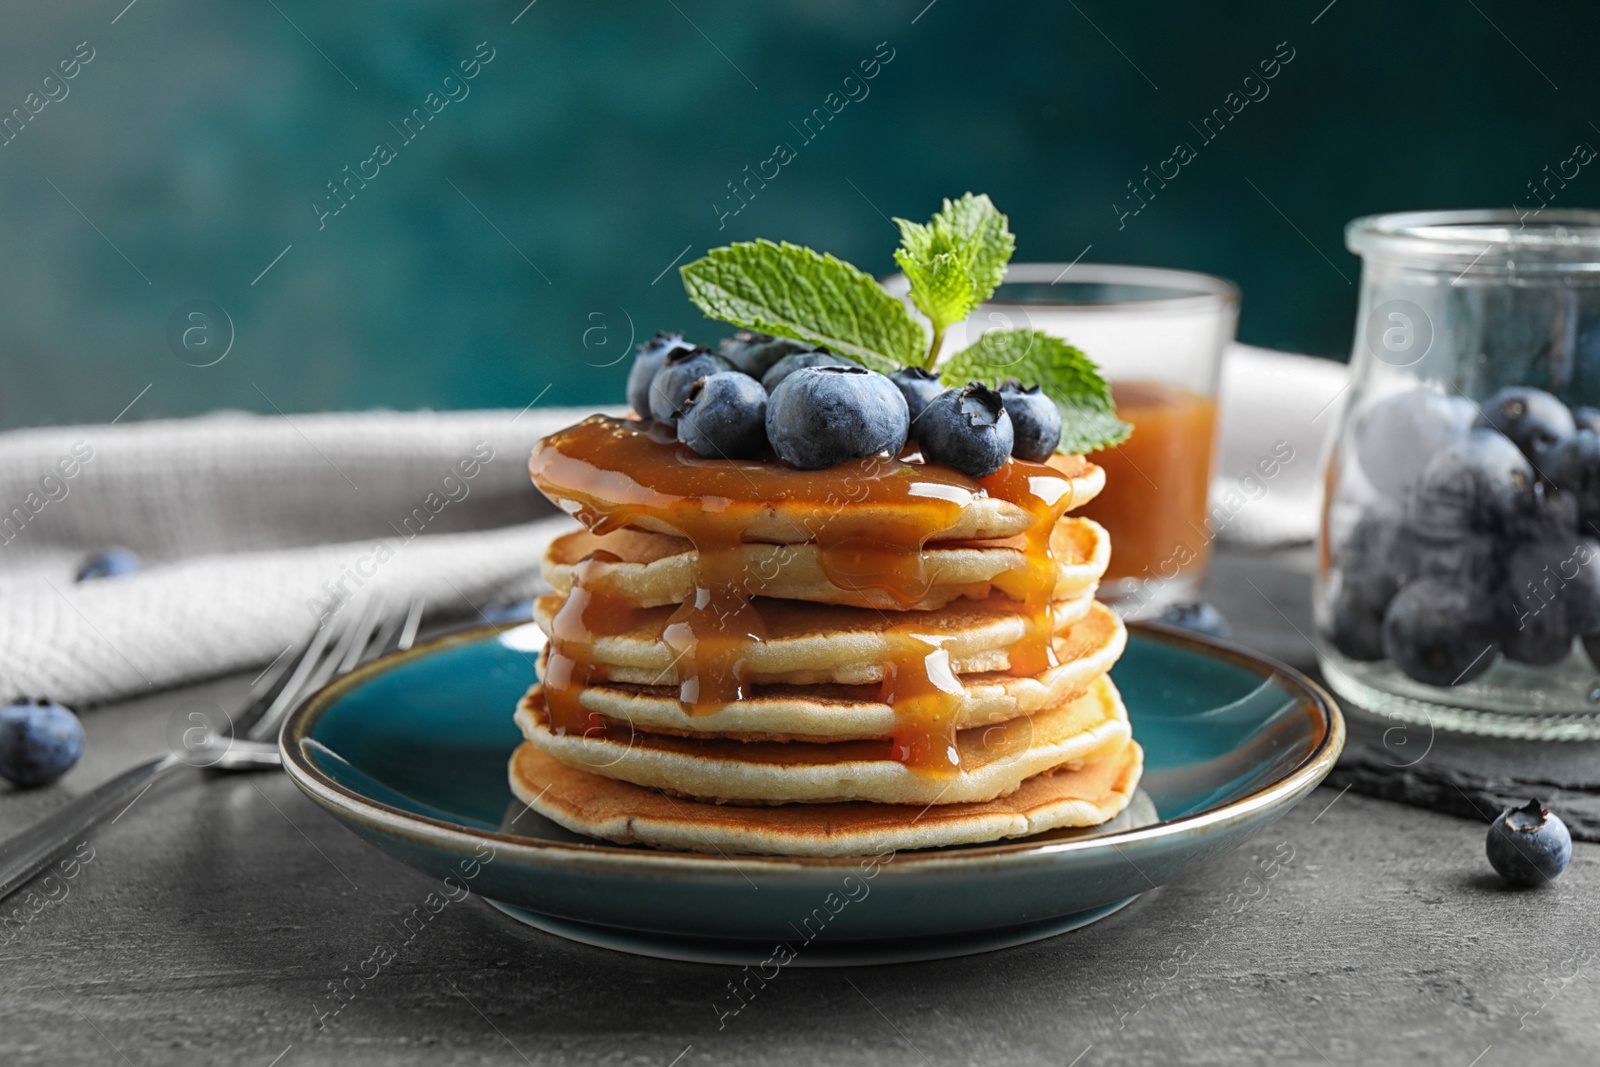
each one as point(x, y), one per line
point(679, 371)
point(39, 741)
point(645, 364)
point(1580, 569)
point(1366, 574)
point(1541, 606)
point(755, 353)
point(1591, 648)
point(1035, 421)
point(725, 417)
point(1200, 617)
point(113, 562)
point(1558, 577)
point(824, 415)
point(1372, 549)
point(1355, 618)
point(1481, 482)
point(1529, 845)
point(1574, 465)
point(1586, 418)
point(1472, 560)
point(509, 611)
point(1438, 633)
point(967, 429)
point(1552, 515)
point(1394, 438)
point(1543, 642)
point(918, 386)
point(1534, 420)
point(794, 361)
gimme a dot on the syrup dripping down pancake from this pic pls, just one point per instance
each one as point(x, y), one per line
point(994, 760)
point(618, 811)
point(806, 643)
point(652, 569)
point(827, 712)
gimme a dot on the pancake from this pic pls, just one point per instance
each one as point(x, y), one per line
point(807, 643)
point(1086, 650)
point(995, 760)
point(654, 569)
point(629, 814)
point(613, 473)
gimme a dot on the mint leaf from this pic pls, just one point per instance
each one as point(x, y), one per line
point(979, 225)
point(1084, 431)
point(954, 261)
point(1088, 415)
point(793, 292)
point(941, 288)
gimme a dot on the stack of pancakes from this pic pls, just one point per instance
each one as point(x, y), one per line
point(748, 658)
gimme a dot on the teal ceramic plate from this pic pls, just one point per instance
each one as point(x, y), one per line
point(410, 752)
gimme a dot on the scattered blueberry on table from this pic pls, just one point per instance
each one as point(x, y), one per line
point(509, 611)
point(115, 562)
point(39, 742)
point(1200, 616)
point(1529, 845)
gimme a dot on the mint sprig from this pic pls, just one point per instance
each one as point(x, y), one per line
point(953, 262)
point(1067, 376)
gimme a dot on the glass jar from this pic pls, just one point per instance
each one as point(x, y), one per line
point(1458, 578)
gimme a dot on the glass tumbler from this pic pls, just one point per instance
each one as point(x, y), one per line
point(1458, 579)
point(1158, 337)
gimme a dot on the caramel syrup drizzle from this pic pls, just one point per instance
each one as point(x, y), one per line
point(609, 472)
point(590, 611)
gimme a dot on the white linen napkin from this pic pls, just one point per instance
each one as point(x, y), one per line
point(1278, 412)
point(250, 529)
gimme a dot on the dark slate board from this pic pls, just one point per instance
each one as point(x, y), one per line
point(1267, 598)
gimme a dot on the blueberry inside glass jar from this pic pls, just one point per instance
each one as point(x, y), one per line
point(1458, 575)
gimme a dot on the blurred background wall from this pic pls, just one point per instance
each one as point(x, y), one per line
point(519, 231)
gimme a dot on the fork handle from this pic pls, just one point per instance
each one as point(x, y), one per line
point(25, 854)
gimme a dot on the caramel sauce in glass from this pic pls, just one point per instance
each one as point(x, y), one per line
point(609, 473)
point(1154, 503)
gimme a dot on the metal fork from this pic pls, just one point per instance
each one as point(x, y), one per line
point(336, 648)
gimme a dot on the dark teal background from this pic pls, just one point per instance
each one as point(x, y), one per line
point(591, 150)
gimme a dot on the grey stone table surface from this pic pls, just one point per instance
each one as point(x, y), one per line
point(205, 925)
